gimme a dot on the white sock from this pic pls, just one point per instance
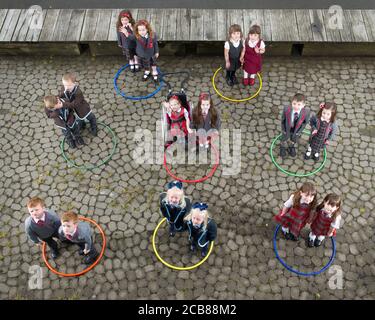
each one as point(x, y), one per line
point(245, 74)
point(252, 76)
point(321, 238)
point(131, 62)
point(312, 236)
point(147, 72)
point(285, 230)
point(316, 154)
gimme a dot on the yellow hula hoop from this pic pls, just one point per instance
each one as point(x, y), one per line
point(237, 100)
point(170, 265)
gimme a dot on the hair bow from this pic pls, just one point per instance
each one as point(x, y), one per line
point(205, 96)
point(176, 184)
point(322, 105)
point(200, 205)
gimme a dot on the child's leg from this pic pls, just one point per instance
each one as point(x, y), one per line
point(245, 74)
point(52, 244)
point(308, 153)
point(312, 236)
point(205, 250)
point(94, 127)
point(136, 62)
point(69, 138)
point(285, 230)
point(76, 134)
point(154, 71)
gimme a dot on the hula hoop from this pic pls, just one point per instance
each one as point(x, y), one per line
point(90, 167)
point(170, 265)
point(140, 97)
point(210, 174)
point(236, 100)
point(85, 270)
point(295, 174)
point(305, 274)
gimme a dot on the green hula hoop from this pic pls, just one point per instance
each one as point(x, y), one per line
point(91, 167)
point(295, 174)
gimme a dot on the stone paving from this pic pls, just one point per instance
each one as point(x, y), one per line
point(122, 195)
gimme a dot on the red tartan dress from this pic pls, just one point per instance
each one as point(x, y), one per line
point(294, 219)
point(322, 224)
point(252, 60)
point(178, 122)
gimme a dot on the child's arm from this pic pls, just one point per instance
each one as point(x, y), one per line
point(31, 234)
point(187, 121)
point(283, 122)
point(119, 39)
point(212, 230)
point(313, 124)
point(86, 235)
point(331, 231)
point(226, 56)
point(312, 217)
point(332, 133)
point(156, 46)
point(242, 54)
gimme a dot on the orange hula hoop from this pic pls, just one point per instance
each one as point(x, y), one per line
point(85, 270)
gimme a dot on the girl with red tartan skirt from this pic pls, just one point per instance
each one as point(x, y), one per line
point(126, 39)
point(325, 220)
point(251, 57)
point(297, 211)
point(178, 118)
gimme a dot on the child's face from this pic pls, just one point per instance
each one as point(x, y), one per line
point(36, 211)
point(307, 197)
point(205, 105)
point(326, 115)
point(68, 226)
point(174, 104)
point(142, 30)
point(328, 208)
point(197, 219)
point(235, 36)
point(68, 85)
point(174, 199)
point(254, 37)
point(297, 105)
point(125, 21)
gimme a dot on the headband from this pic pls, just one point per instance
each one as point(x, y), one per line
point(176, 184)
point(200, 205)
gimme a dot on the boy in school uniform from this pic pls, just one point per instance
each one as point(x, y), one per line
point(42, 225)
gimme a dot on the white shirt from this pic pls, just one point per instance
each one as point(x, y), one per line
point(253, 44)
point(335, 223)
point(186, 114)
point(235, 44)
point(292, 115)
point(289, 202)
point(41, 219)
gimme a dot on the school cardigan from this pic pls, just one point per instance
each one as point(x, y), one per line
point(147, 53)
point(36, 232)
point(82, 235)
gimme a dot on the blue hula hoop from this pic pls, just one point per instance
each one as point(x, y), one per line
point(140, 97)
point(305, 274)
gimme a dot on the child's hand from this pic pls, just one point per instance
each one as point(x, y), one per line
point(326, 142)
point(227, 65)
point(167, 106)
point(190, 131)
point(257, 50)
point(38, 244)
point(156, 55)
point(86, 251)
point(314, 132)
point(242, 60)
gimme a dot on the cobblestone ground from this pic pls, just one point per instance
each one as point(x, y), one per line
point(122, 196)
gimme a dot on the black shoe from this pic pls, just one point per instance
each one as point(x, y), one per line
point(283, 152)
point(292, 151)
point(307, 157)
point(310, 243)
point(146, 76)
point(204, 253)
point(132, 68)
point(137, 68)
point(286, 235)
point(317, 242)
point(235, 80)
point(80, 252)
point(94, 131)
point(54, 254)
point(71, 144)
point(293, 237)
point(172, 230)
point(315, 158)
point(193, 247)
point(80, 141)
point(230, 82)
point(83, 124)
point(89, 260)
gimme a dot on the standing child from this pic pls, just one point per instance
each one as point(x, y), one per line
point(293, 120)
point(125, 38)
point(177, 117)
point(323, 130)
point(174, 206)
point(296, 211)
point(78, 232)
point(147, 48)
point(202, 229)
point(205, 117)
point(42, 225)
point(72, 98)
point(64, 119)
point(325, 220)
point(233, 48)
point(251, 57)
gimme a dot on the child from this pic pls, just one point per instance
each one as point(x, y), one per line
point(202, 229)
point(325, 220)
point(42, 225)
point(323, 130)
point(296, 211)
point(125, 38)
point(72, 98)
point(174, 206)
point(293, 120)
point(78, 232)
point(205, 116)
point(233, 48)
point(177, 117)
point(64, 119)
point(251, 56)
point(147, 48)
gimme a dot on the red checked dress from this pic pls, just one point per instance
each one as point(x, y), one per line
point(295, 218)
point(322, 224)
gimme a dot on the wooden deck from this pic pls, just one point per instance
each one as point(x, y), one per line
point(93, 25)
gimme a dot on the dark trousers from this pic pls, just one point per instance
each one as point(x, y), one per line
point(291, 141)
point(93, 253)
point(52, 244)
point(71, 133)
point(90, 118)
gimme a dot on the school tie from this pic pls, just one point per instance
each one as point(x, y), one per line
point(68, 236)
point(295, 119)
point(40, 223)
